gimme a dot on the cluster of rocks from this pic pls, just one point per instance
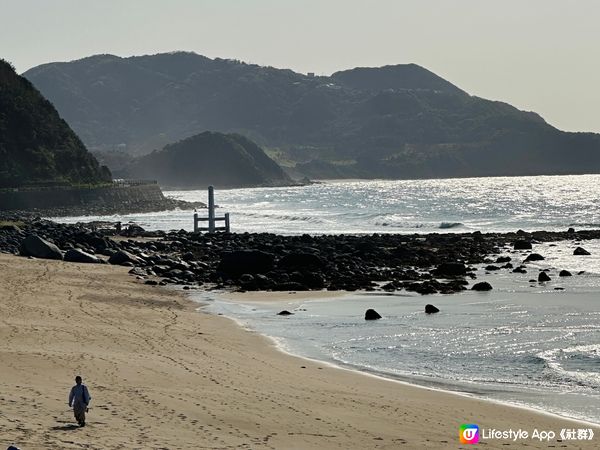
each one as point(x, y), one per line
point(427, 264)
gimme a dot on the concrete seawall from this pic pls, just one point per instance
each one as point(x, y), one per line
point(118, 198)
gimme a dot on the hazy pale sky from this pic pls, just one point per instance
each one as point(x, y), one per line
point(540, 55)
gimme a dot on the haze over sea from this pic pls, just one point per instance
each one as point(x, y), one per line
point(524, 342)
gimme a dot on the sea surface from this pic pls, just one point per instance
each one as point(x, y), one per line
point(409, 206)
point(524, 342)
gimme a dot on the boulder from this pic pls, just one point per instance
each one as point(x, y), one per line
point(430, 309)
point(482, 286)
point(301, 260)
point(522, 244)
point(543, 277)
point(79, 256)
point(123, 258)
point(240, 262)
point(581, 251)
point(450, 269)
point(371, 314)
point(285, 313)
point(534, 257)
point(37, 247)
point(565, 273)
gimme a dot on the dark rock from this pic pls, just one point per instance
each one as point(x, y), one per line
point(565, 273)
point(571, 230)
point(285, 313)
point(522, 244)
point(503, 259)
point(450, 270)
point(519, 270)
point(492, 268)
point(581, 251)
point(123, 258)
point(543, 277)
point(79, 256)
point(534, 257)
point(37, 247)
point(239, 262)
point(301, 260)
point(430, 309)
point(151, 282)
point(371, 314)
point(482, 286)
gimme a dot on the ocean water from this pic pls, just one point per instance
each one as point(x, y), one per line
point(408, 206)
point(523, 343)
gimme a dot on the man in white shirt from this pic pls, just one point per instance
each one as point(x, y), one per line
point(79, 399)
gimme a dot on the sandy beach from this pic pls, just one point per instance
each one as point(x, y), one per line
point(163, 375)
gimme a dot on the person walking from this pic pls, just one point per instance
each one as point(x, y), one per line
point(79, 399)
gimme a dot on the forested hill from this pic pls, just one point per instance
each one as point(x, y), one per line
point(221, 160)
point(36, 145)
point(398, 121)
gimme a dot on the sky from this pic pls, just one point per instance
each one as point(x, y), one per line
point(538, 55)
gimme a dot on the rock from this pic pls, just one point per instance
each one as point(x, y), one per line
point(430, 309)
point(450, 270)
point(371, 314)
point(151, 282)
point(285, 313)
point(123, 258)
point(534, 257)
point(37, 247)
point(543, 277)
point(522, 244)
point(301, 260)
point(491, 268)
point(519, 270)
point(239, 262)
point(571, 230)
point(482, 286)
point(565, 273)
point(581, 251)
point(79, 256)
point(246, 278)
point(503, 259)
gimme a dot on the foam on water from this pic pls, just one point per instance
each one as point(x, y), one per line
point(409, 206)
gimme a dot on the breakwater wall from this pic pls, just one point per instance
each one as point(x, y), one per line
point(117, 197)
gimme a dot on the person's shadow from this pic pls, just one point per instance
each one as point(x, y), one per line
point(70, 426)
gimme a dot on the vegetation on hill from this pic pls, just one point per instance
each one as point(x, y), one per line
point(36, 145)
point(398, 121)
point(209, 158)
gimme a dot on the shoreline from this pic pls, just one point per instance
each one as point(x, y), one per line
point(163, 374)
point(423, 382)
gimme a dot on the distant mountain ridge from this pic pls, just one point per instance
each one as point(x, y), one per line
point(36, 145)
point(209, 158)
point(399, 121)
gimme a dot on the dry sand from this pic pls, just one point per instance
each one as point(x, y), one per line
point(163, 375)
